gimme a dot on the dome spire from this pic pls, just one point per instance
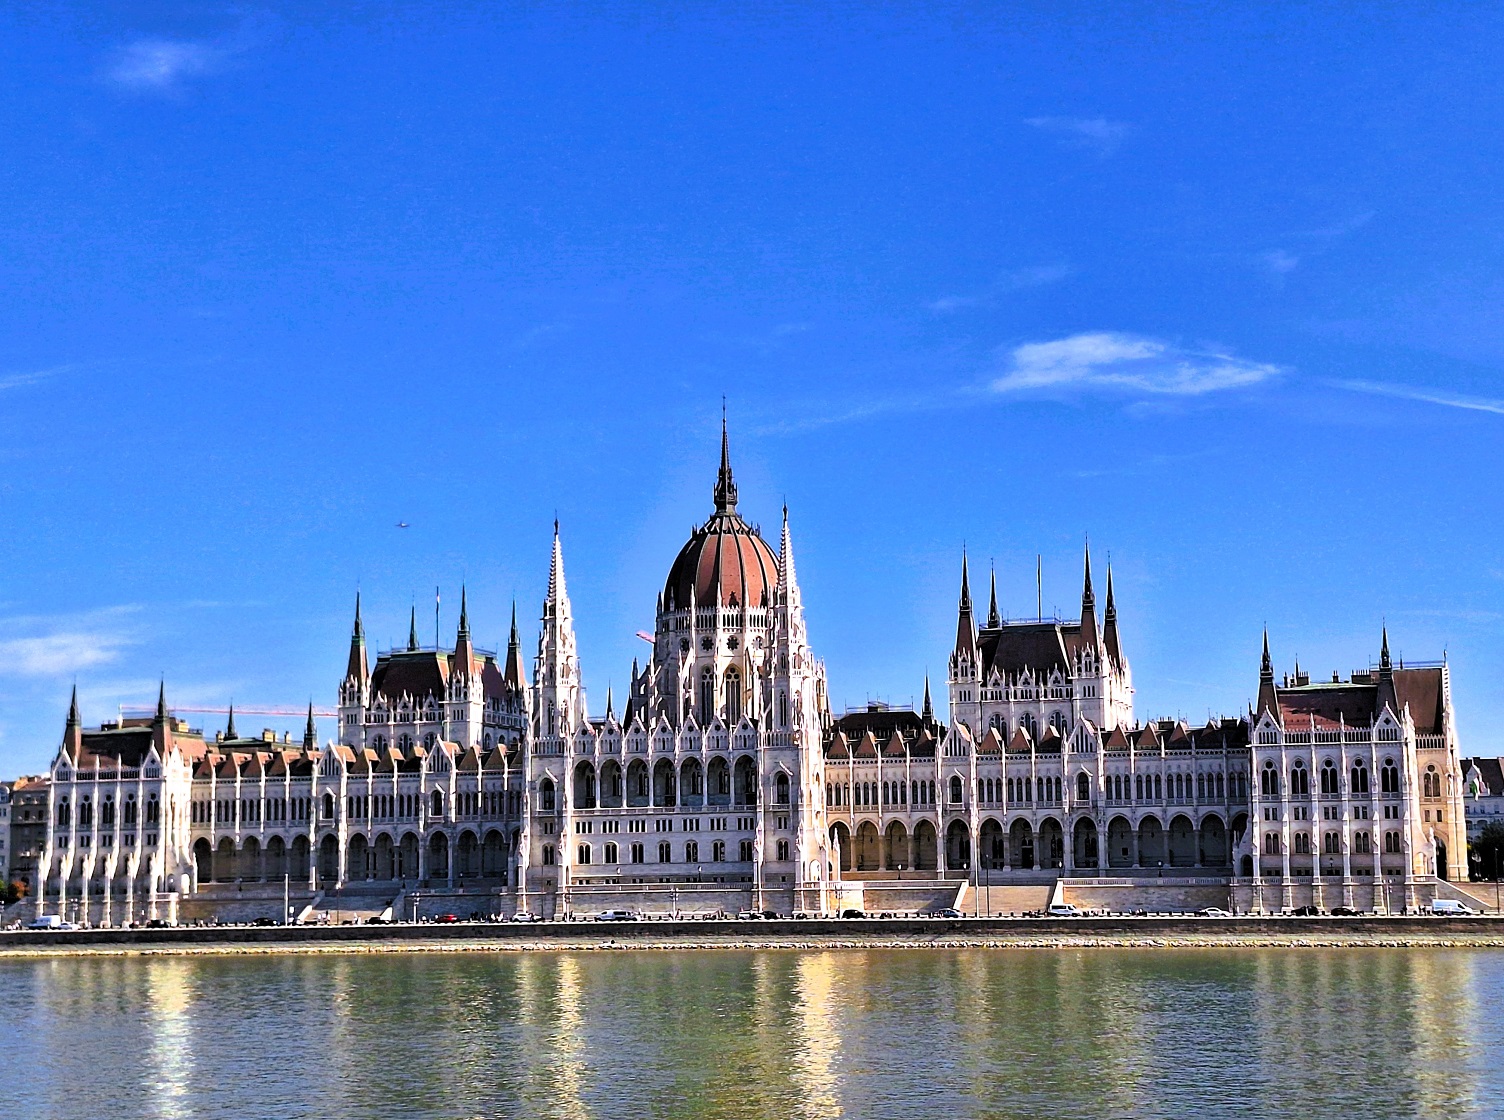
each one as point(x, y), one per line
point(725, 485)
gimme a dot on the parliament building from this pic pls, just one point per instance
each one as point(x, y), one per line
point(460, 782)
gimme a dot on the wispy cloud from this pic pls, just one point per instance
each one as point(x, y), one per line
point(1426, 396)
point(44, 647)
point(162, 65)
point(29, 377)
point(1095, 134)
point(1125, 362)
point(1014, 280)
point(1279, 262)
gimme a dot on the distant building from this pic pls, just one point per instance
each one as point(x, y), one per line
point(458, 782)
point(1483, 796)
point(28, 829)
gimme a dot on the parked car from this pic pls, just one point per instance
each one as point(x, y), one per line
point(1064, 910)
point(1450, 907)
point(1306, 911)
point(616, 916)
point(852, 912)
point(748, 915)
point(50, 921)
point(1213, 912)
point(447, 919)
point(947, 912)
point(1343, 912)
point(526, 916)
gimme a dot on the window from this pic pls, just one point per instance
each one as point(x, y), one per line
point(733, 696)
point(1363, 843)
point(1269, 781)
point(1302, 843)
point(1430, 784)
point(637, 856)
point(746, 851)
point(437, 807)
point(1329, 783)
point(1083, 787)
point(1392, 843)
point(153, 810)
point(1389, 777)
point(783, 850)
point(707, 696)
point(548, 855)
point(1271, 843)
point(718, 851)
point(612, 854)
point(582, 854)
point(691, 851)
point(1332, 842)
point(665, 852)
point(1360, 777)
point(955, 790)
point(546, 795)
point(781, 789)
point(1300, 780)
point(1057, 721)
point(328, 806)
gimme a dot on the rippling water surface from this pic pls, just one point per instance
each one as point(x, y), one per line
point(776, 1033)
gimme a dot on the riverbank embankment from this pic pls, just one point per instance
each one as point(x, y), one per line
point(896, 933)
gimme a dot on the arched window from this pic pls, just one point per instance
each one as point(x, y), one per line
point(781, 791)
point(1300, 780)
point(1083, 787)
point(1271, 843)
point(1333, 843)
point(1363, 843)
point(85, 813)
point(1329, 783)
point(1029, 724)
point(429, 740)
point(64, 814)
point(545, 795)
point(612, 853)
point(956, 790)
point(107, 811)
point(583, 854)
point(548, 855)
point(1389, 777)
point(1430, 783)
point(707, 696)
point(1269, 780)
point(1057, 721)
point(733, 696)
point(783, 710)
point(1360, 777)
point(328, 806)
point(1138, 786)
point(437, 803)
point(153, 810)
point(1302, 843)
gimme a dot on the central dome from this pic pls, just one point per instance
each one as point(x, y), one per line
point(725, 560)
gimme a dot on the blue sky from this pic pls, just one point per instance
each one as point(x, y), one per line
point(1220, 288)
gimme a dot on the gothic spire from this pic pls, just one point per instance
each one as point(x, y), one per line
point(725, 485)
point(310, 732)
point(464, 630)
point(1110, 640)
point(161, 716)
point(230, 723)
point(1088, 607)
point(412, 630)
point(1268, 694)
point(356, 668)
point(1387, 694)
point(516, 675)
point(610, 711)
point(994, 620)
point(73, 720)
point(1386, 666)
point(73, 733)
point(556, 589)
point(788, 584)
point(966, 634)
point(927, 713)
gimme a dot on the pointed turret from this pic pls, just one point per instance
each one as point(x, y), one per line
point(412, 630)
point(994, 619)
point(725, 485)
point(1110, 640)
point(1268, 694)
point(1089, 639)
point(310, 731)
point(515, 672)
point(788, 582)
point(161, 725)
point(464, 651)
point(966, 632)
point(1387, 695)
point(927, 713)
point(556, 589)
point(559, 697)
point(161, 716)
point(230, 723)
point(357, 669)
point(610, 710)
point(73, 730)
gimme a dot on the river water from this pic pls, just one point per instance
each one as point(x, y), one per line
point(1204, 1033)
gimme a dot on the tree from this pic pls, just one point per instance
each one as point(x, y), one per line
point(1486, 854)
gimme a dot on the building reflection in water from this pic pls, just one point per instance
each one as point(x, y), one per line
point(1211, 1033)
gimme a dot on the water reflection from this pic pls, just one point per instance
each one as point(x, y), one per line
point(1089, 1033)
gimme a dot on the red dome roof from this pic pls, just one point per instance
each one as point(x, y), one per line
point(725, 553)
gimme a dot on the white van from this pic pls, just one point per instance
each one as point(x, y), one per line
point(1450, 907)
point(50, 921)
point(1064, 910)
